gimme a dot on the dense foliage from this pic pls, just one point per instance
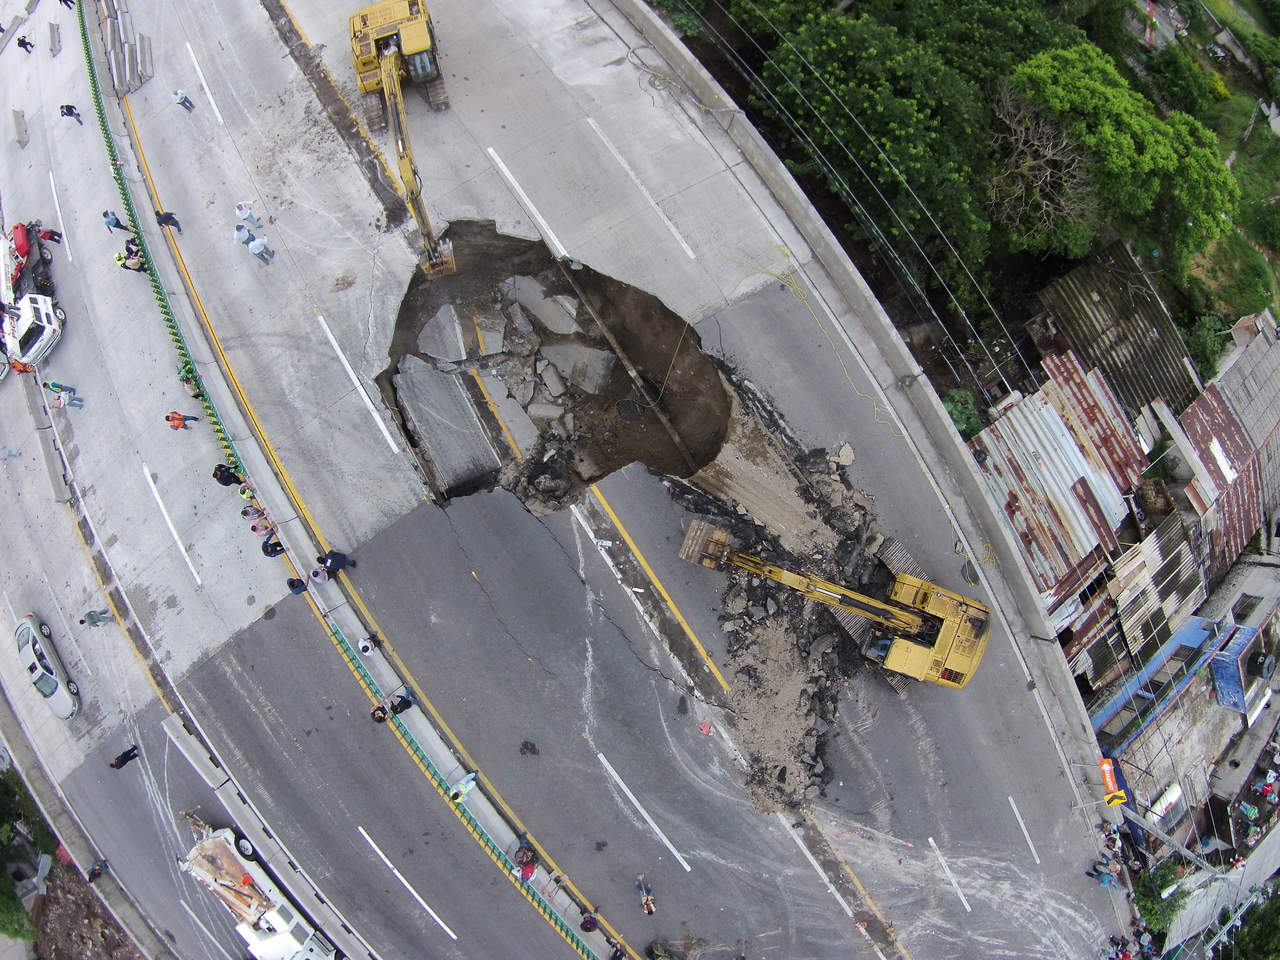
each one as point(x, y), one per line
point(1258, 937)
point(1166, 171)
point(1158, 912)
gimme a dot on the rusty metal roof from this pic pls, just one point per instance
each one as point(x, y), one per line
point(1063, 506)
point(1111, 315)
point(1093, 415)
point(1230, 504)
point(1250, 381)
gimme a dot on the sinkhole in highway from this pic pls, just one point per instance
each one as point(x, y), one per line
point(605, 372)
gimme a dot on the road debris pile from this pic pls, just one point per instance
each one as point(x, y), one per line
point(789, 659)
point(73, 924)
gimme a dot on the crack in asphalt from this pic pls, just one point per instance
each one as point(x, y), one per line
point(492, 605)
point(675, 683)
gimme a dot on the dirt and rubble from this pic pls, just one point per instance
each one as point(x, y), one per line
point(643, 391)
point(72, 923)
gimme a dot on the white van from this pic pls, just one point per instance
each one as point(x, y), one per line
point(32, 329)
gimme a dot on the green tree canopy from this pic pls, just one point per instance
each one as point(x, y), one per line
point(1142, 166)
point(924, 123)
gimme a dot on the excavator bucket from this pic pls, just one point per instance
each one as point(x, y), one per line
point(442, 263)
point(704, 544)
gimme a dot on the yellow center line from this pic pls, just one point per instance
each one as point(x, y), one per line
point(662, 591)
point(862, 891)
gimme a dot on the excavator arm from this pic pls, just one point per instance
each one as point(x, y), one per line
point(832, 594)
point(438, 259)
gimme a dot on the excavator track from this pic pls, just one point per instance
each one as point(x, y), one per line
point(437, 94)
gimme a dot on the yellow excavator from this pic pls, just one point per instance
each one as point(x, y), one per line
point(393, 43)
point(926, 632)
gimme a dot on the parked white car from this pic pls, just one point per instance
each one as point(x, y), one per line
point(32, 328)
point(44, 669)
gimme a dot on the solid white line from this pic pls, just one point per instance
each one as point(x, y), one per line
point(146, 474)
point(386, 434)
point(848, 911)
point(947, 871)
point(412, 892)
point(1023, 825)
point(647, 195)
point(557, 248)
point(643, 812)
point(617, 574)
point(205, 930)
point(207, 92)
point(62, 227)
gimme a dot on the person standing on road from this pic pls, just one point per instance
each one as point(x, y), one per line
point(320, 575)
point(166, 219)
point(178, 421)
point(26, 44)
point(296, 586)
point(458, 792)
point(226, 476)
point(124, 758)
point(69, 110)
point(61, 400)
point(333, 561)
point(96, 618)
point(181, 99)
point(243, 234)
point(244, 210)
point(112, 221)
point(258, 247)
point(648, 905)
point(53, 386)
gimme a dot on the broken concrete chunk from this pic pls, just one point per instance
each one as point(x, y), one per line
point(544, 411)
point(812, 791)
point(588, 368)
point(844, 456)
point(551, 377)
point(439, 335)
point(519, 322)
point(522, 391)
point(556, 313)
point(771, 605)
point(756, 613)
point(568, 424)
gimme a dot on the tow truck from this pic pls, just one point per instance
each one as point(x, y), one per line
point(271, 926)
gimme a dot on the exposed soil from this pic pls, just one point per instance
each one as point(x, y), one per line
point(74, 925)
point(591, 424)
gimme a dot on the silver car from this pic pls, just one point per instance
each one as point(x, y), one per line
point(44, 669)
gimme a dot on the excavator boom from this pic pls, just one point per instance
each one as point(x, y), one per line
point(392, 42)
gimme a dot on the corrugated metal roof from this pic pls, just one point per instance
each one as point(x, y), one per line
point(1062, 508)
point(1111, 315)
point(1250, 381)
point(1157, 585)
point(1093, 415)
point(1231, 510)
